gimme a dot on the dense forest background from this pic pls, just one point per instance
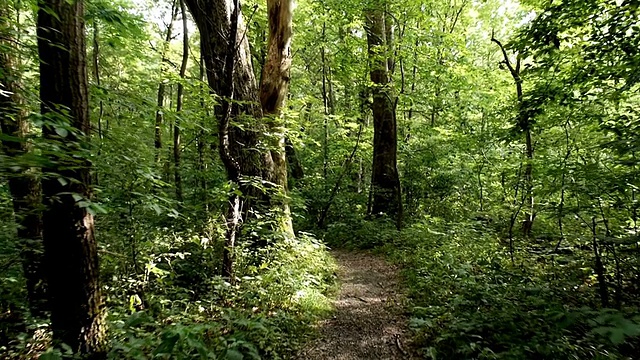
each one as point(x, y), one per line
point(487, 147)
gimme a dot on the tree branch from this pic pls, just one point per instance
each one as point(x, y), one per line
point(514, 72)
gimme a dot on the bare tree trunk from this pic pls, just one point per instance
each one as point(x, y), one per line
point(75, 296)
point(202, 142)
point(96, 74)
point(385, 182)
point(177, 129)
point(274, 88)
point(524, 123)
point(162, 86)
point(23, 184)
point(275, 74)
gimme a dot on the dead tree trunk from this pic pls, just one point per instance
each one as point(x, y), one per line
point(71, 258)
point(385, 182)
point(274, 88)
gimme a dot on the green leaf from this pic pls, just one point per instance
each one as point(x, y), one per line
point(62, 132)
point(233, 354)
point(50, 355)
point(617, 336)
point(169, 341)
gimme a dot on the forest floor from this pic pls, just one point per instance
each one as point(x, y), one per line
point(369, 321)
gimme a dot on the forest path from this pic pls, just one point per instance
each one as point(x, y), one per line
point(369, 321)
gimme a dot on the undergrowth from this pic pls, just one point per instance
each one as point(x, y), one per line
point(179, 308)
point(280, 291)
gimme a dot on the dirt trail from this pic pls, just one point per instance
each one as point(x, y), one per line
point(369, 320)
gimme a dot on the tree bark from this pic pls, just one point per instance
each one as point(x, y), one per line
point(75, 297)
point(385, 182)
point(24, 185)
point(274, 88)
point(214, 20)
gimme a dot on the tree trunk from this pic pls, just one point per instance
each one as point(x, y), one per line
point(75, 297)
point(177, 129)
point(524, 124)
point(213, 19)
point(23, 185)
point(162, 86)
point(385, 182)
point(274, 88)
point(226, 54)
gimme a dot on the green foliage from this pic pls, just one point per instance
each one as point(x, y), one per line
point(192, 313)
point(469, 301)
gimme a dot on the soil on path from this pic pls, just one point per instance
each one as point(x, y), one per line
point(369, 321)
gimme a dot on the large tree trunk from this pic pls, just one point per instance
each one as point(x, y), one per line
point(23, 184)
point(230, 75)
point(75, 297)
point(213, 19)
point(385, 182)
point(274, 88)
